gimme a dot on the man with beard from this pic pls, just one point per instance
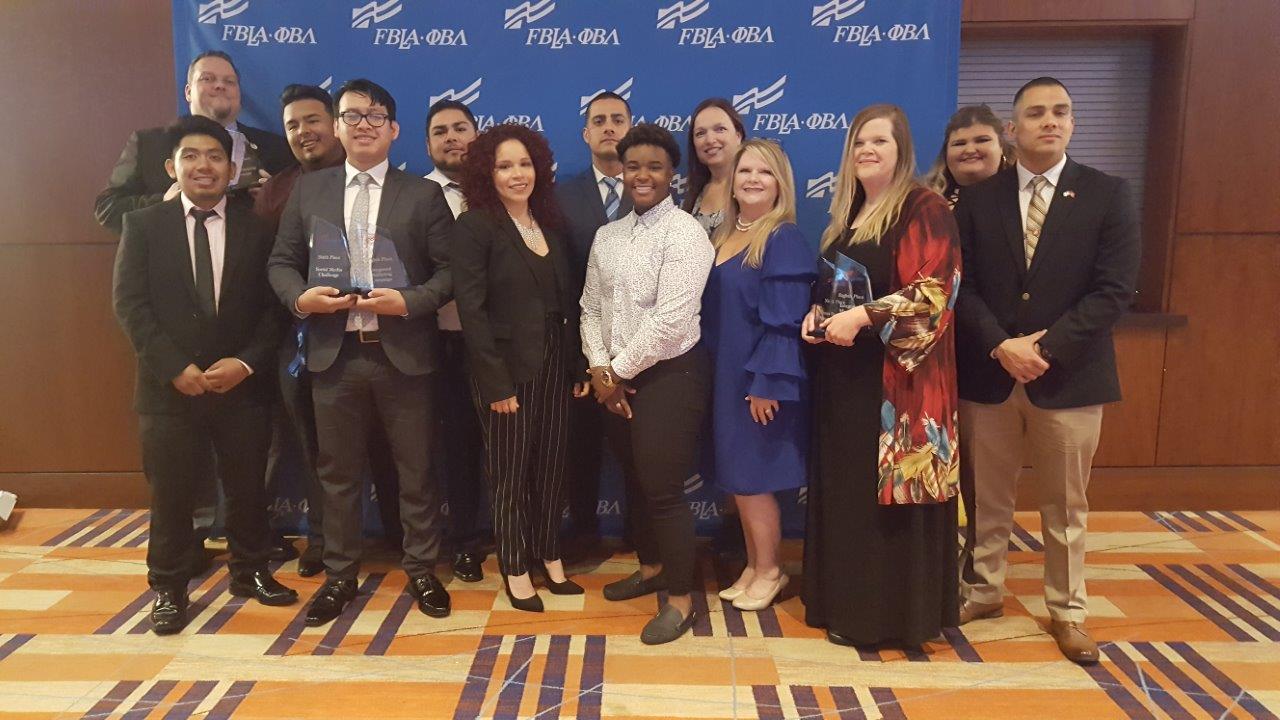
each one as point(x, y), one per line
point(450, 129)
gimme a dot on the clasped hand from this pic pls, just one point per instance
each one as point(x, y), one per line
point(221, 377)
point(1019, 357)
point(325, 300)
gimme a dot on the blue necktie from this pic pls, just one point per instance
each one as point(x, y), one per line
point(612, 200)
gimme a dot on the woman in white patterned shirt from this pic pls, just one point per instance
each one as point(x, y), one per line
point(640, 332)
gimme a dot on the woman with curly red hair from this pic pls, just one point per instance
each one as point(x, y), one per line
point(520, 324)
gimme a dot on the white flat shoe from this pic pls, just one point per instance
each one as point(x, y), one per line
point(746, 602)
point(730, 593)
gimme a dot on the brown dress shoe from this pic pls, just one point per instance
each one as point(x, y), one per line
point(971, 611)
point(1074, 642)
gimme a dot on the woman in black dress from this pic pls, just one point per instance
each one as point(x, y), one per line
point(880, 546)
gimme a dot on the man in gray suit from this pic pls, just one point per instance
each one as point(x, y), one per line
point(370, 353)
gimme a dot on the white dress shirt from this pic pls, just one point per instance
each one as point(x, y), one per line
point(643, 292)
point(379, 174)
point(1025, 177)
point(216, 227)
point(447, 316)
point(604, 188)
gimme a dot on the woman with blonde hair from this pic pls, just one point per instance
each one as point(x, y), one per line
point(880, 546)
point(755, 298)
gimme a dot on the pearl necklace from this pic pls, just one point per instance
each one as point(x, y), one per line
point(743, 227)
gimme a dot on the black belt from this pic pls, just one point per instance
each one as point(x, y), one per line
point(365, 336)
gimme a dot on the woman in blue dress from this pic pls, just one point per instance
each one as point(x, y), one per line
point(755, 300)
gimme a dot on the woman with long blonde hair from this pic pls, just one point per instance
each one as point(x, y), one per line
point(880, 546)
point(755, 298)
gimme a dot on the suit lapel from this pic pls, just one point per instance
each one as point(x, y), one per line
point(513, 236)
point(233, 251)
point(1059, 209)
point(331, 199)
point(1011, 216)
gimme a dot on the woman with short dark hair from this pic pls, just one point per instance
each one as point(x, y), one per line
point(640, 332)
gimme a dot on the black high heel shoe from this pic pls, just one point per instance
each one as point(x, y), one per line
point(568, 587)
point(529, 604)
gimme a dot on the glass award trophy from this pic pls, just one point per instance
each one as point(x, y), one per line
point(842, 285)
point(330, 261)
point(354, 265)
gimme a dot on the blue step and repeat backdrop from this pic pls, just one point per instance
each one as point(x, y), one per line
point(797, 71)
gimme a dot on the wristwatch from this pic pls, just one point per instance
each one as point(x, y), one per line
point(1043, 352)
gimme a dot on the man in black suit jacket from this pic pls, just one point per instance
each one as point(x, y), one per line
point(191, 293)
point(1051, 252)
point(213, 91)
point(370, 356)
point(588, 201)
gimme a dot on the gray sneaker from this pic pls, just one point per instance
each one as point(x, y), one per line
point(666, 626)
point(634, 586)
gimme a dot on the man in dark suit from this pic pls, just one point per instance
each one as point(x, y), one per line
point(370, 354)
point(1051, 252)
point(213, 91)
point(191, 293)
point(588, 201)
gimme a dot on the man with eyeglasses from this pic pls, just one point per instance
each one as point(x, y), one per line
point(213, 90)
point(370, 354)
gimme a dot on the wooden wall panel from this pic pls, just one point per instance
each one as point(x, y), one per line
point(1230, 154)
point(91, 72)
point(1129, 426)
point(1080, 11)
point(1223, 378)
point(68, 369)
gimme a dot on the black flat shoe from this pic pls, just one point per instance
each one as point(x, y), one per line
point(259, 585)
point(329, 601)
point(433, 599)
point(467, 567)
point(666, 626)
point(529, 604)
point(836, 638)
point(169, 612)
point(634, 586)
point(312, 561)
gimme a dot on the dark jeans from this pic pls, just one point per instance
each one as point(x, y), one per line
point(657, 449)
point(175, 450)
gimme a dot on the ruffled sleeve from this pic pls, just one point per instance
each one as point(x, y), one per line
point(786, 273)
point(912, 320)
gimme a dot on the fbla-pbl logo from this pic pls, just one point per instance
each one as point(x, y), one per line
point(466, 95)
point(402, 38)
point(756, 98)
point(211, 12)
point(556, 38)
point(684, 11)
point(827, 14)
point(818, 188)
point(624, 90)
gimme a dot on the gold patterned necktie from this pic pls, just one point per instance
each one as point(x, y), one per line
point(1035, 217)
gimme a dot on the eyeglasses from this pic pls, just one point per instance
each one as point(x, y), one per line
point(353, 118)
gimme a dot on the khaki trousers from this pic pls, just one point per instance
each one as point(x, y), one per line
point(1059, 445)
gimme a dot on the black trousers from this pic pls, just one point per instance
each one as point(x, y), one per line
point(297, 429)
point(459, 446)
point(361, 390)
point(657, 449)
point(524, 461)
point(582, 471)
point(175, 450)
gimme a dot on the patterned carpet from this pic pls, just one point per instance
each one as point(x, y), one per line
point(1187, 604)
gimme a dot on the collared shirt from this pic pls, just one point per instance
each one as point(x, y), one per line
point(1025, 177)
point(216, 227)
point(447, 316)
point(351, 189)
point(643, 290)
point(603, 187)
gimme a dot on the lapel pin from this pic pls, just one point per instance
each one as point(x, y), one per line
point(1068, 193)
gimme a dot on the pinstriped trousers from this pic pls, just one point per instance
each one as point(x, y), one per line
point(525, 459)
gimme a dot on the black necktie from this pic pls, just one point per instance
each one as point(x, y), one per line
point(204, 263)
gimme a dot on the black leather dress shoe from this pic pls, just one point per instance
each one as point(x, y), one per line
point(312, 560)
point(259, 585)
point(836, 638)
point(282, 549)
point(169, 613)
point(634, 586)
point(467, 566)
point(433, 599)
point(329, 601)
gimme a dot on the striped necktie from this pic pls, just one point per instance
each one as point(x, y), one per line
point(612, 200)
point(359, 245)
point(1035, 217)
